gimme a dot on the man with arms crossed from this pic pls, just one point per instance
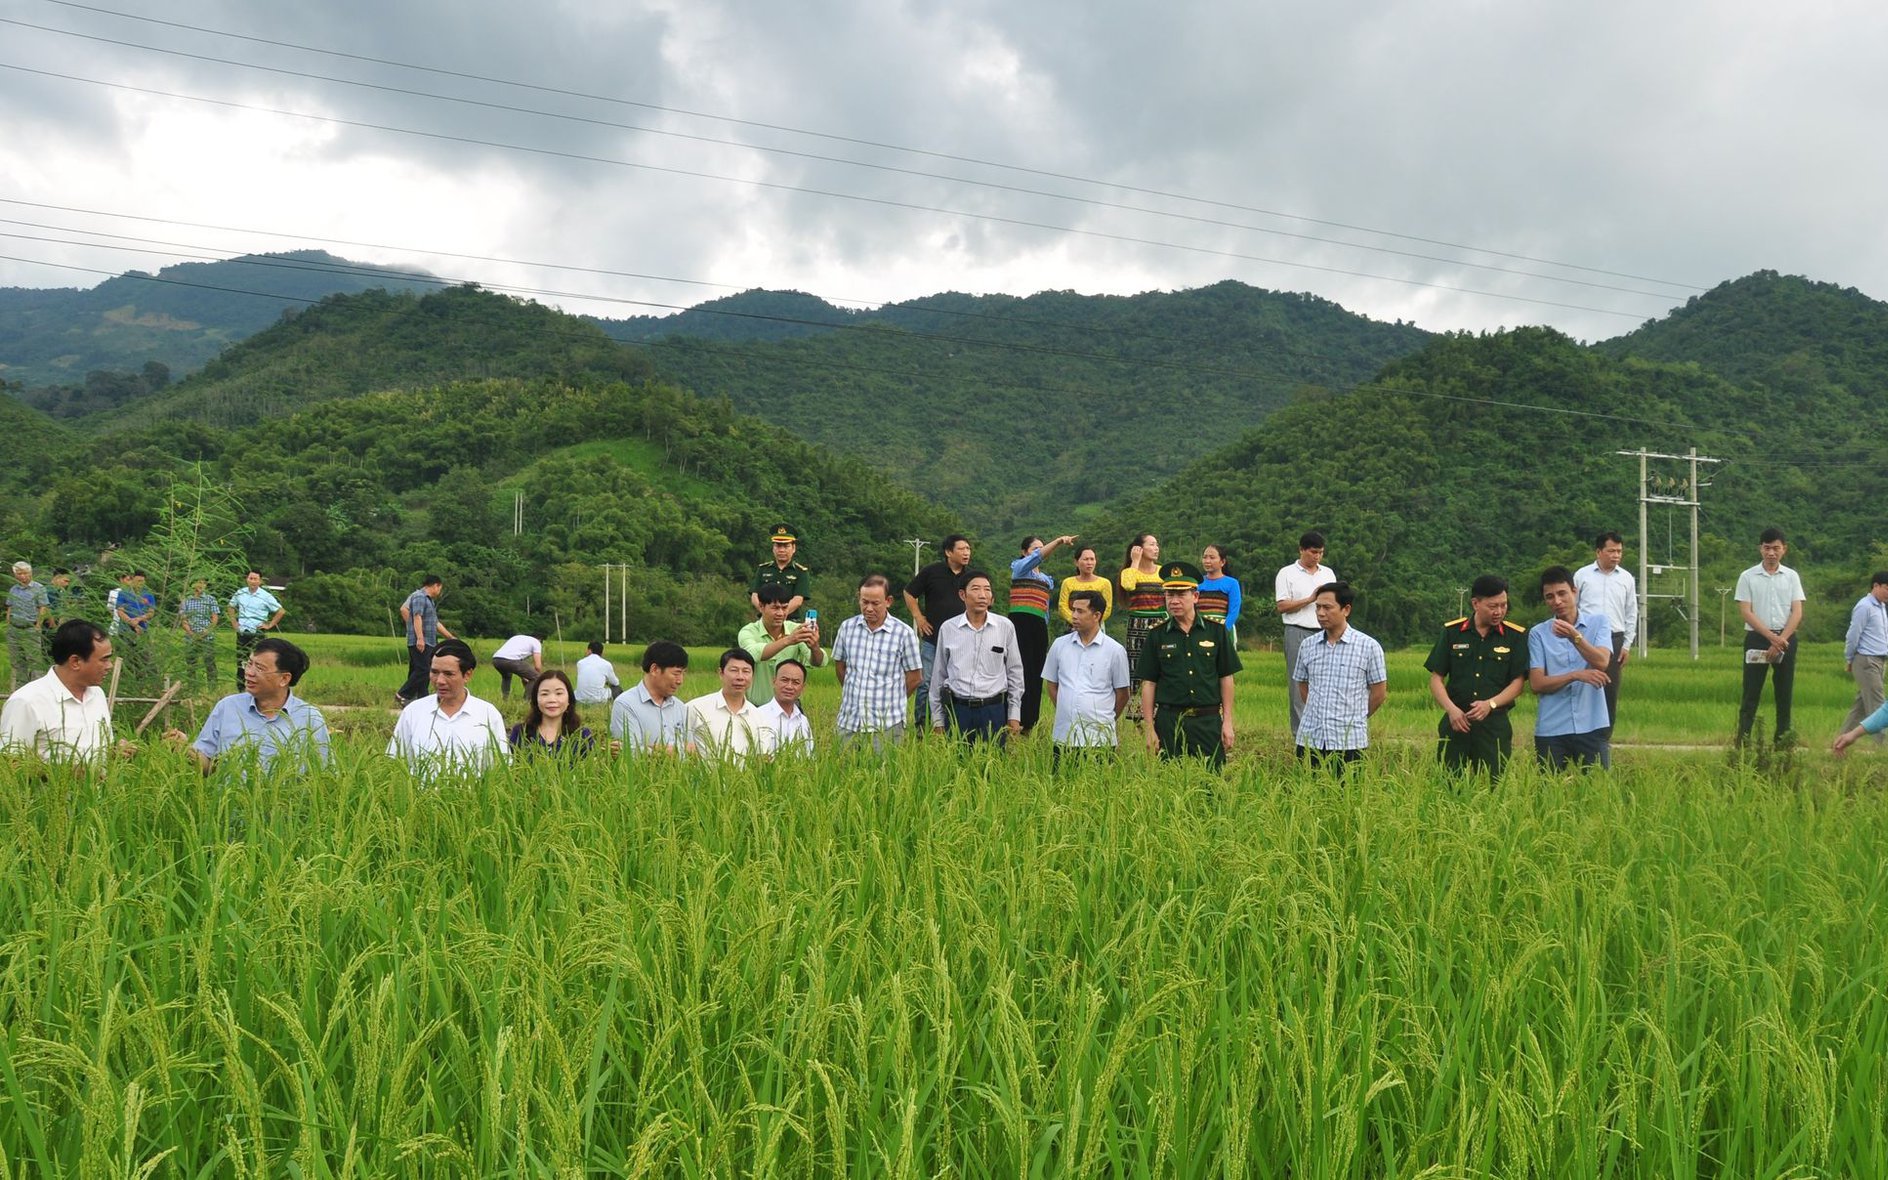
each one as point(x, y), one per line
point(1607, 590)
point(1087, 676)
point(977, 685)
point(1476, 672)
point(651, 715)
point(63, 716)
point(1186, 673)
point(252, 610)
point(1567, 657)
point(876, 661)
point(1296, 589)
point(1341, 680)
point(1770, 597)
point(1865, 651)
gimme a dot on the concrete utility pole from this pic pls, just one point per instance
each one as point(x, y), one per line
point(918, 545)
point(1688, 499)
point(1722, 592)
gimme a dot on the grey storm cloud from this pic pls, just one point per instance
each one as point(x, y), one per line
point(1657, 149)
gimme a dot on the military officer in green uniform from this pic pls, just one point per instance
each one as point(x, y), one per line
point(1476, 673)
point(1186, 670)
point(783, 571)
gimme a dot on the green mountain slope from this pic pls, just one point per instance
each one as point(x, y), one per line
point(180, 317)
point(1497, 453)
point(1026, 413)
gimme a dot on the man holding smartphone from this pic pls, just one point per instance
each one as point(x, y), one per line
point(772, 642)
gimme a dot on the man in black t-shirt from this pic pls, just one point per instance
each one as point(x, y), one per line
point(931, 597)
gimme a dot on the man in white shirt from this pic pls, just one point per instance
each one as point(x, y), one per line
point(1607, 590)
point(977, 683)
point(1865, 652)
point(1770, 597)
point(783, 718)
point(596, 678)
point(1296, 592)
point(64, 716)
point(521, 656)
point(1087, 676)
point(449, 730)
point(725, 724)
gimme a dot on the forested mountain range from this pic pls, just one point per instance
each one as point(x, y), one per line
point(51, 339)
point(352, 494)
point(1497, 453)
point(1026, 413)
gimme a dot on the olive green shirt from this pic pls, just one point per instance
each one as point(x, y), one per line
point(795, 578)
point(1185, 666)
point(1475, 667)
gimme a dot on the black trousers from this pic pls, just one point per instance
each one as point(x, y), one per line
point(1189, 737)
point(1620, 642)
point(1785, 670)
point(419, 663)
point(1032, 643)
point(245, 644)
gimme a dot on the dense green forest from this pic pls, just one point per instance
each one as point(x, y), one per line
point(1496, 453)
point(1027, 413)
point(351, 498)
point(181, 317)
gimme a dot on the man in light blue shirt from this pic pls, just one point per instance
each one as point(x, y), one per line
point(252, 610)
point(651, 715)
point(1567, 658)
point(1865, 651)
point(1086, 673)
point(268, 720)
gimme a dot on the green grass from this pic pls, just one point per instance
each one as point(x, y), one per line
point(945, 964)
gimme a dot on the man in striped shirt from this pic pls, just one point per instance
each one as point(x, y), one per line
point(875, 659)
point(1340, 679)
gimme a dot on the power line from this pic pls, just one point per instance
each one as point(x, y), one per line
point(860, 142)
point(1123, 206)
point(1021, 223)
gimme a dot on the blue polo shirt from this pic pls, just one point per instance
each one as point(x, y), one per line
point(1577, 707)
point(235, 723)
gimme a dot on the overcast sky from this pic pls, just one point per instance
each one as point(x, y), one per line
point(1662, 147)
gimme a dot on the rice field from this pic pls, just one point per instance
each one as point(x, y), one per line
point(940, 964)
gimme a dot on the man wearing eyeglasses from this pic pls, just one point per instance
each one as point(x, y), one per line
point(267, 718)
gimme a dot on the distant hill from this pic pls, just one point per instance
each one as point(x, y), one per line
point(348, 345)
point(749, 316)
point(1027, 413)
point(180, 317)
point(1497, 453)
point(376, 437)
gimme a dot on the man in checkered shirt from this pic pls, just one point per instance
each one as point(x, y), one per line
point(875, 658)
point(1341, 680)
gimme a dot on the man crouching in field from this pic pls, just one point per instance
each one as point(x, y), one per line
point(268, 718)
point(1567, 658)
point(450, 729)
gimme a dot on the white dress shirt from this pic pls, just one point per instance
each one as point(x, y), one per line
point(719, 730)
point(1295, 581)
point(975, 663)
point(432, 742)
point(44, 718)
point(595, 677)
point(1614, 596)
point(785, 729)
point(1086, 677)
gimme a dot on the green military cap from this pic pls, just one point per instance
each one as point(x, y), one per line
point(783, 535)
point(1178, 575)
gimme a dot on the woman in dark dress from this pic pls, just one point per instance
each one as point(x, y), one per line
point(552, 725)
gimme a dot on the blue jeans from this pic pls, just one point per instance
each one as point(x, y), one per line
point(980, 722)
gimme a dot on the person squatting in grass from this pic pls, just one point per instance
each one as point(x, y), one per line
point(771, 641)
point(1341, 680)
point(552, 726)
point(650, 716)
point(1567, 660)
point(522, 656)
point(266, 719)
point(782, 718)
point(450, 730)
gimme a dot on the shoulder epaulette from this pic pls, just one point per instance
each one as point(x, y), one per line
point(1456, 622)
point(763, 565)
point(801, 568)
point(1513, 626)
